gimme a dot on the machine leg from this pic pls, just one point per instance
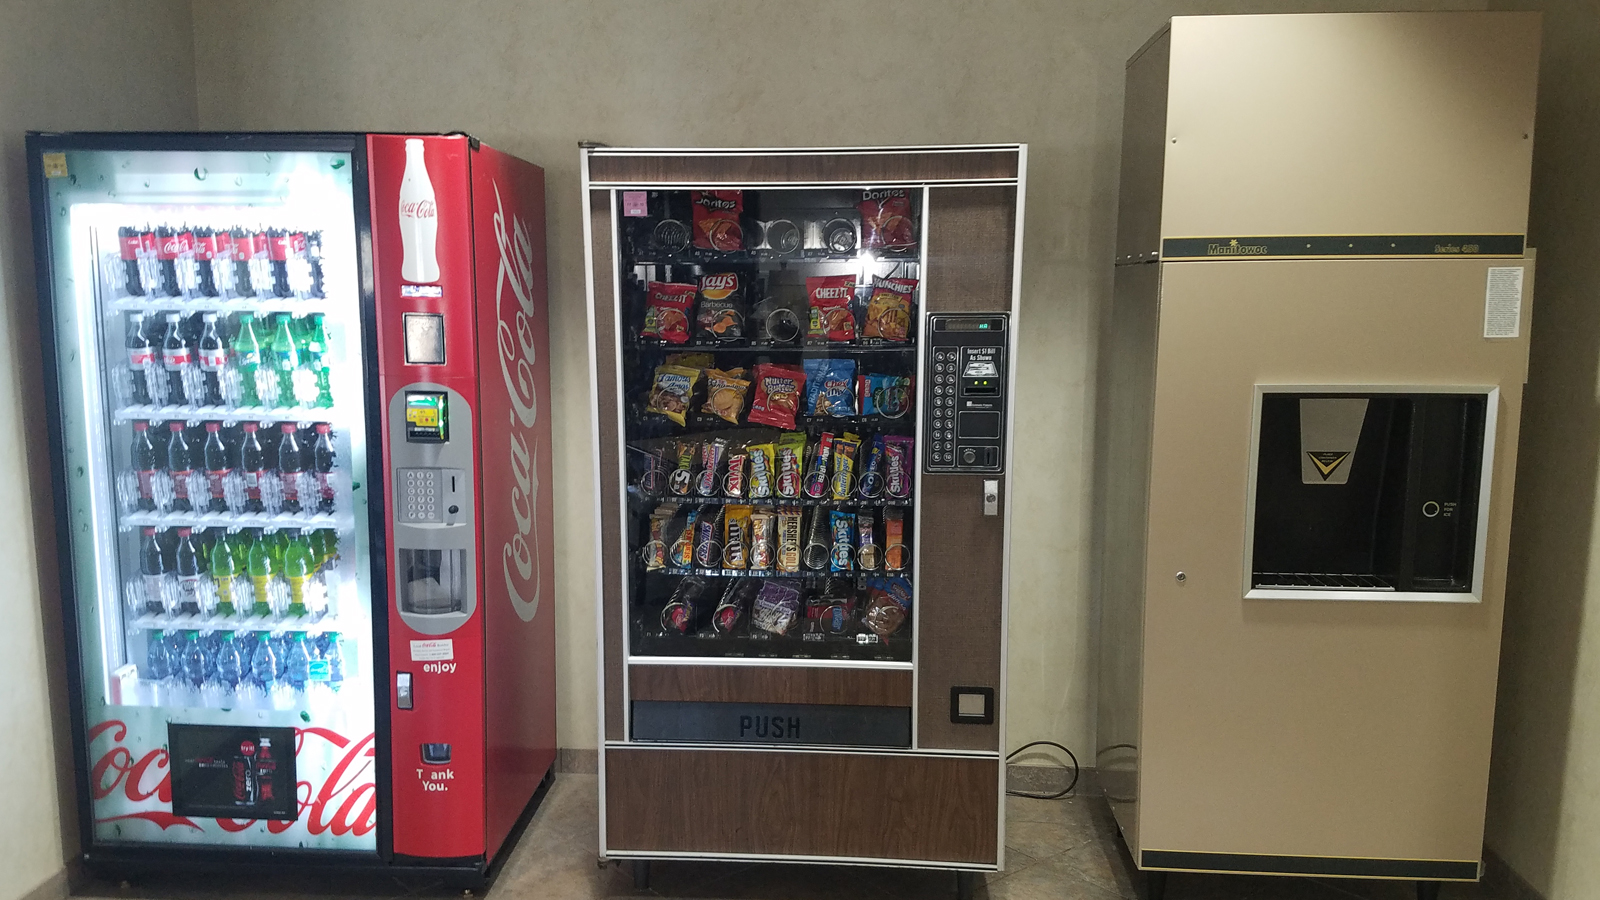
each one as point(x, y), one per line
point(1427, 890)
point(1155, 885)
point(641, 874)
point(966, 885)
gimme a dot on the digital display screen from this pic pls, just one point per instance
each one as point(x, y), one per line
point(427, 417)
point(970, 325)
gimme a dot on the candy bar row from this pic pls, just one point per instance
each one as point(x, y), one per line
point(776, 607)
point(782, 540)
point(789, 465)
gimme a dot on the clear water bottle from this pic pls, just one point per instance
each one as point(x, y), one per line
point(297, 667)
point(196, 665)
point(333, 655)
point(230, 662)
point(265, 665)
point(158, 657)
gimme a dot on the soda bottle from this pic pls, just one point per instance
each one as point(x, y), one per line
point(158, 662)
point(247, 356)
point(419, 218)
point(278, 251)
point(213, 359)
point(167, 247)
point(230, 662)
point(285, 359)
point(324, 549)
point(217, 468)
point(277, 543)
point(141, 356)
point(205, 250)
point(290, 465)
point(153, 572)
point(315, 356)
point(261, 567)
point(264, 663)
point(314, 256)
point(224, 569)
point(180, 465)
point(333, 658)
point(175, 358)
point(145, 463)
point(243, 251)
point(128, 243)
point(189, 574)
point(298, 568)
point(297, 665)
point(323, 456)
point(195, 665)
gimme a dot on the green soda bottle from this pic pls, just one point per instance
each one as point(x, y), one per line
point(324, 547)
point(315, 353)
point(286, 359)
point(276, 544)
point(262, 568)
point(224, 568)
point(298, 566)
point(247, 356)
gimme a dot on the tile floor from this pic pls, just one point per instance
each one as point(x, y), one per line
point(1055, 850)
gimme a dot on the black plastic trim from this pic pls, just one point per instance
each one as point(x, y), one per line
point(1347, 867)
point(1270, 246)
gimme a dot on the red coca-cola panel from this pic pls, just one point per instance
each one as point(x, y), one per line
point(515, 449)
point(438, 809)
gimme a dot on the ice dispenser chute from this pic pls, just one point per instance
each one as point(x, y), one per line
point(1368, 494)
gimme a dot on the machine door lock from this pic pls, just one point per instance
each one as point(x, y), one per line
point(991, 496)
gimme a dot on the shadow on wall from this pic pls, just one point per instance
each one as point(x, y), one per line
point(1553, 526)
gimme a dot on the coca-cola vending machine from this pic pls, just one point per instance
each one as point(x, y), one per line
point(299, 418)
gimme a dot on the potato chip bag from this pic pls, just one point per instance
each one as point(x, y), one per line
point(831, 298)
point(889, 309)
point(716, 220)
point(666, 314)
point(672, 392)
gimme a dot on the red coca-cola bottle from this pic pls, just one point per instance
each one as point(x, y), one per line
point(167, 250)
point(217, 468)
point(175, 358)
point(290, 465)
point(205, 251)
point(253, 468)
point(141, 354)
point(180, 465)
point(129, 244)
point(243, 252)
point(145, 463)
point(322, 459)
point(278, 249)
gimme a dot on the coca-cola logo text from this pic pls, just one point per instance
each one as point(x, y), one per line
point(345, 803)
point(515, 341)
point(418, 209)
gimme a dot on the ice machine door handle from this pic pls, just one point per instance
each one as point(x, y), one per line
point(991, 496)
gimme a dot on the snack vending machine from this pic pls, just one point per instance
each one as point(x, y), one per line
point(804, 361)
point(283, 373)
point(1313, 376)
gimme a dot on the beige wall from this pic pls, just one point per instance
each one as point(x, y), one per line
point(535, 79)
point(63, 65)
point(1544, 803)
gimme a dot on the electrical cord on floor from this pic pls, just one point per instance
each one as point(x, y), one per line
point(1056, 796)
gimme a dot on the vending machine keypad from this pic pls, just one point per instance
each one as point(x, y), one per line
point(965, 383)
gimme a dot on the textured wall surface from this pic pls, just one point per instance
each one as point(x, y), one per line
point(63, 65)
point(1544, 801)
point(534, 79)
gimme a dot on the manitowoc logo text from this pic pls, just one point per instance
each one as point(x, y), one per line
point(515, 340)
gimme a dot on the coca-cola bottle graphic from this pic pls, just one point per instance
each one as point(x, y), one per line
point(180, 465)
point(217, 468)
point(152, 572)
point(189, 574)
point(323, 456)
point(167, 260)
point(419, 219)
point(175, 358)
point(290, 465)
point(213, 359)
point(141, 354)
point(243, 252)
point(205, 251)
point(129, 244)
point(145, 463)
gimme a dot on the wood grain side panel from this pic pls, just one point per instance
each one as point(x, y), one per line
point(847, 167)
point(771, 684)
point(958, 607)
point(972, 233)
point(610, 549)
point(867, 806)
